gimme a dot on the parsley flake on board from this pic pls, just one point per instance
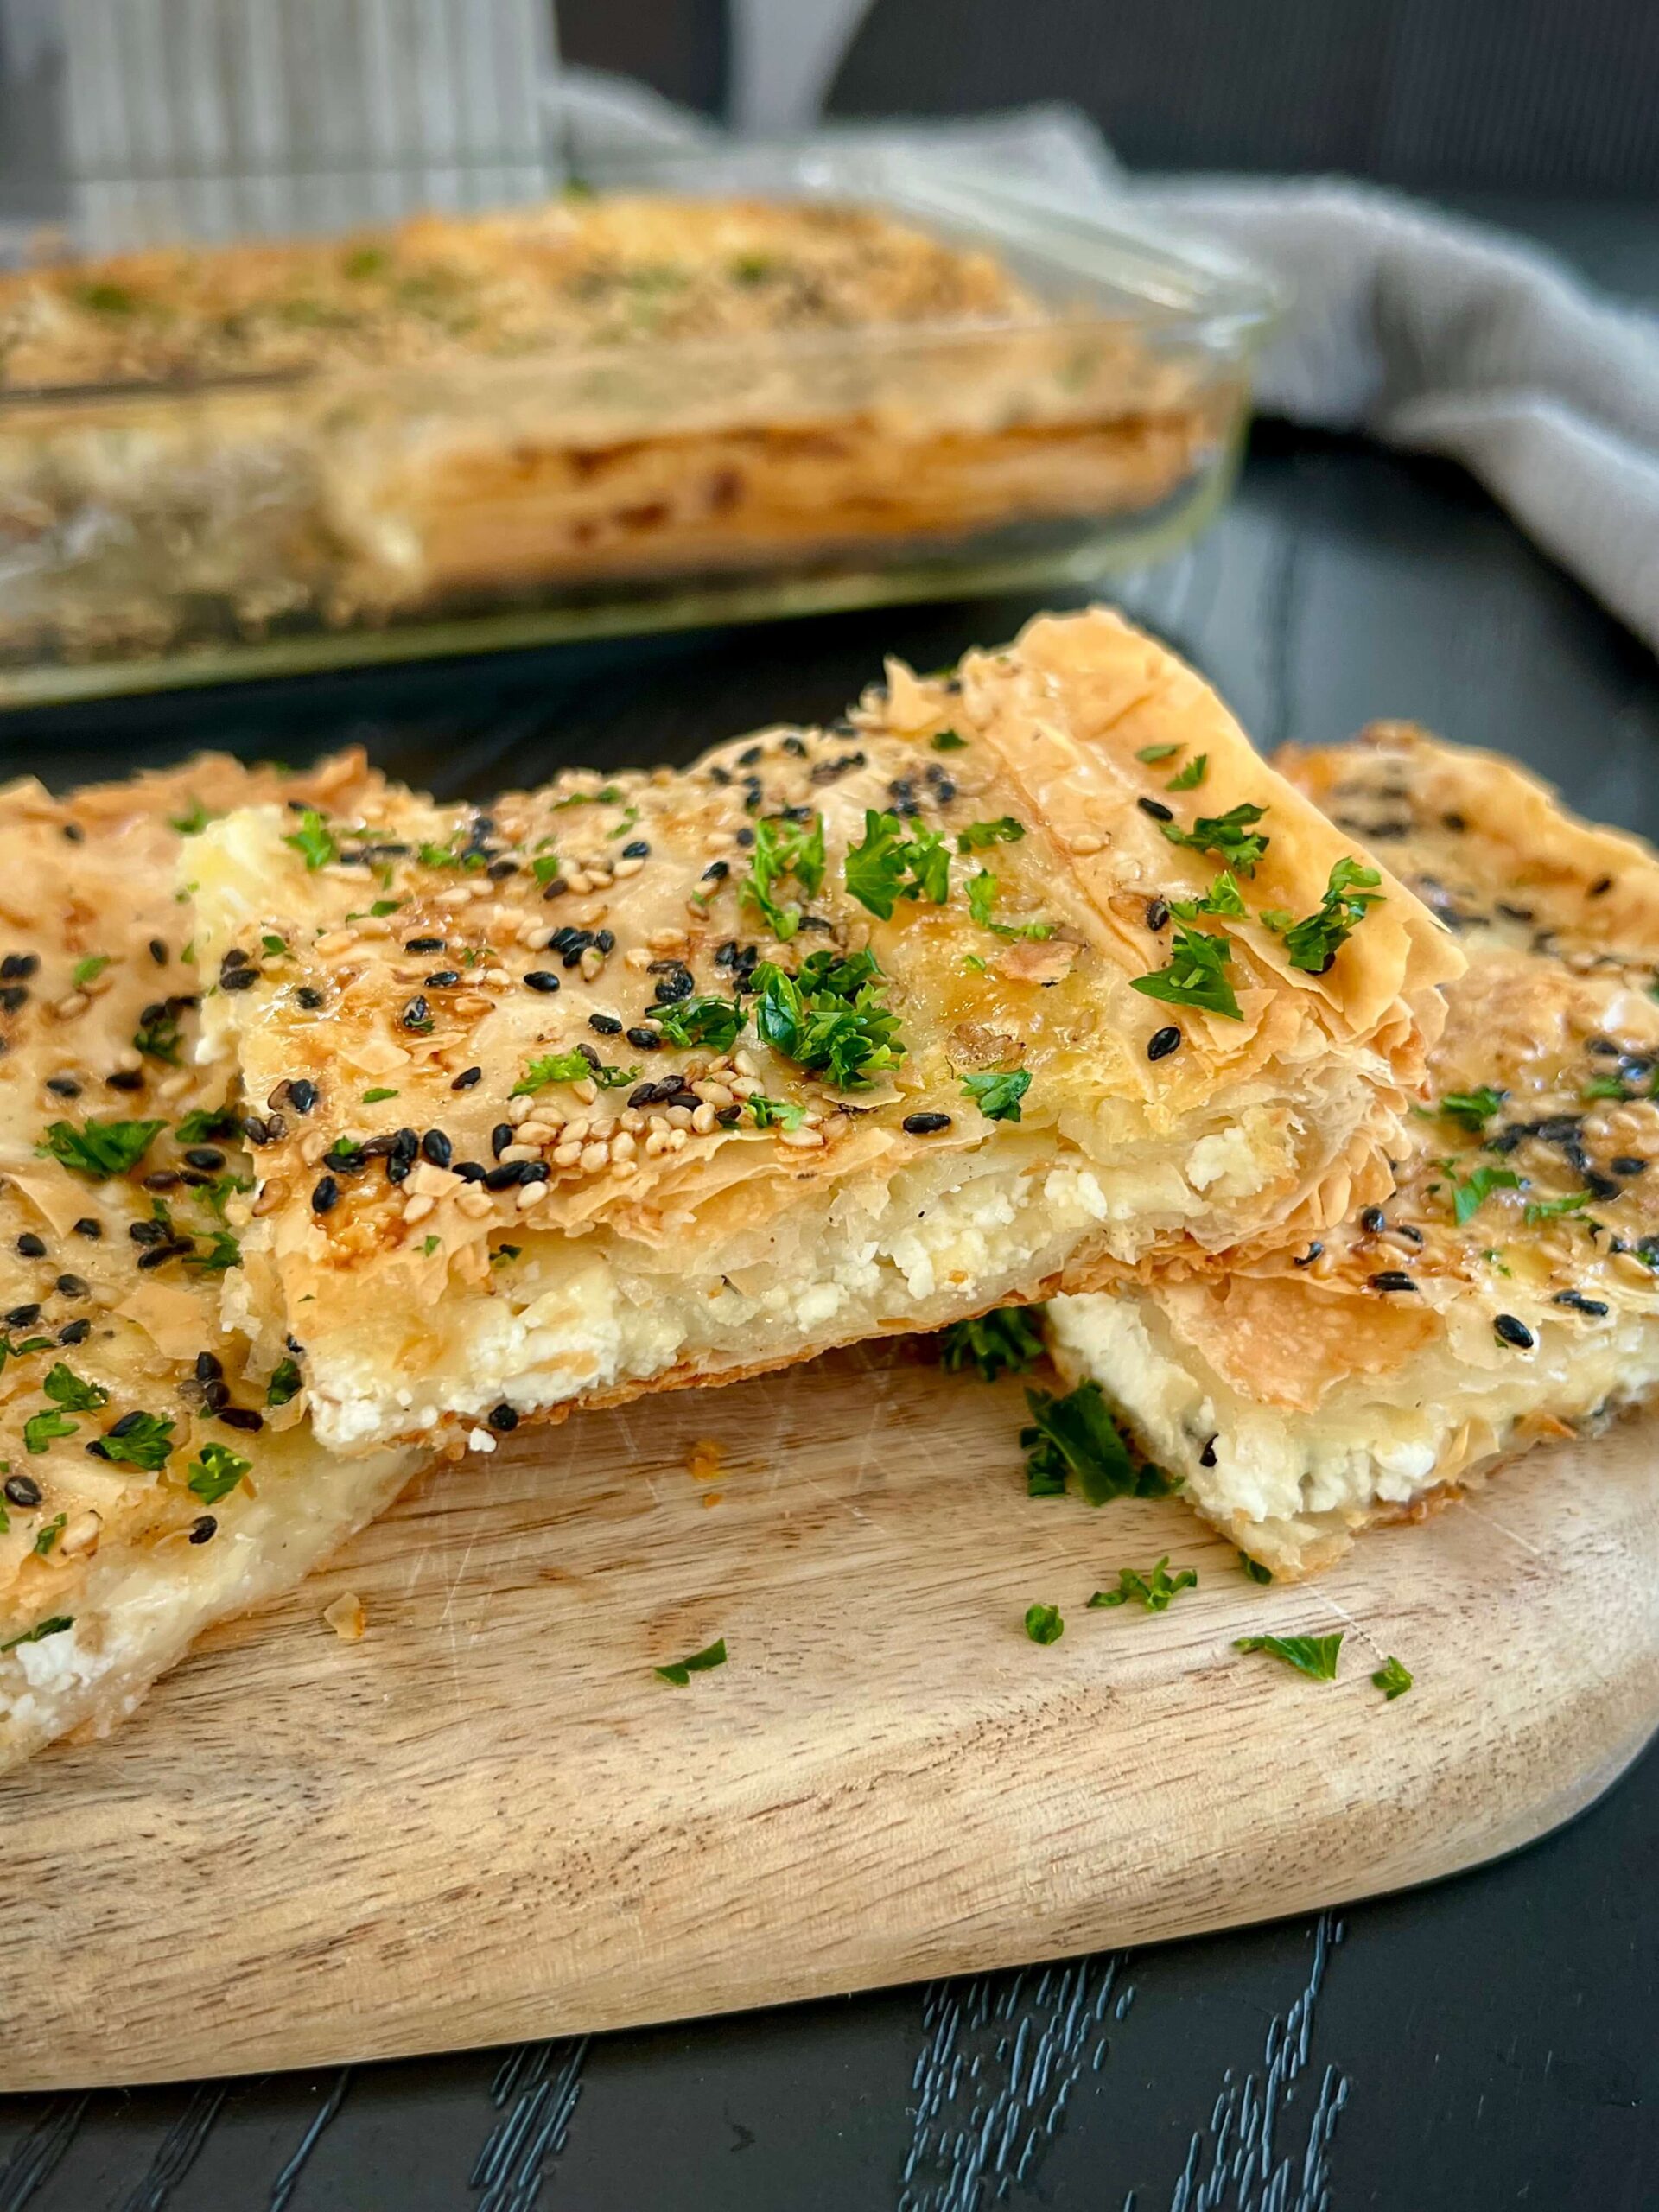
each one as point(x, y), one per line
point(680, 1671)
point(1006, 1342)
point(1224, 897)
point(136, 1440)
point(1232, 837)
point(1254, 1568)
point(41, 1430)
point(1152, 755)
point(1349, 893)
point(1470, 1193)
point(1075, 1437)
point(1189, 778)
point(946, 741)
point(783, 850)
point(314, 841)
point(979, 835)
point(215, 1471)
point(1310, 1654)
point(828, 1017)
point(1154, 1589)
point(100, 1149)
point(706, 1019)
point(1392, 1679)
point(1196, 976)
point(1043, 1623)
point(374, 1097)
point(889, 865)
point(285, 1380)
point(1472, 1109)
point(65, 1387)
point(41, 1631)
point(997, 1092)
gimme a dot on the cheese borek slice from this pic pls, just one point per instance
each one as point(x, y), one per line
point(1505, 1290)
point(633, 1084)
point(126, 1406)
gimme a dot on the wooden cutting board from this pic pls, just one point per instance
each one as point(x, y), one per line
point(489, 1819)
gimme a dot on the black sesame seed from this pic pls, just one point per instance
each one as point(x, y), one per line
point(22, 1490)
point(605, 1025)
point(209, 1368)
point(503, 1417)
point(638, 850)
point(72, 1287)
point(500, 870)
point(87, 1227)
point(606, 940)
point(437, 1149)
point(676, 985)
point(416, 1014)
point(24, 1316)
point(16, 965)
point(63, 1086)
point(424, 945)
point(1207, 1457)
point(240, 1417)
point(158, 951)
point(72, 833)
point(500, 1137)
point(326, 1197)
point(1600, 887)
point(1156, 809)
point(1392, 1279)
point(717, 871)
point(301, 1096)
point(344, 1159)
point(1628, 1164)
point(1579, 1304)
point(1157, 915)
point(146, 1232)
point(746, 836)
point(466, 1078)
point(508, 1176)
point(557, 888)
point(1454, 823)
point(238, 979)
point(14, 997)
point(308, 997)
point(645, 1040)
point(795, 747)
point(1163, 1042)
point(203, 1528)
point(1509, 1331)
point(728, 1116)
point(31, 1246)
point(205, 1157)
point(442, 979)
point(74, 1332)
point(1373, 1221)
point(175, 1248)
point(925, 1125)
point(470, 1171)
point(749, 755)
point(541, 979)
point(163, 1179)
point(124, 1079)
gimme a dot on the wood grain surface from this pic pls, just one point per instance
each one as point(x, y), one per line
point(490, 1819)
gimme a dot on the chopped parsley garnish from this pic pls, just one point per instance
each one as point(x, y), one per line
point(1540, 1210)
point(1076, 1437)
point(215, 1471)
point(780, 1113)
point(275, 945)
point(204, 1124)
point(708, 1021)
point(984, 891)
point(978, 836)
point(65, 1387)
point(1350, 892)
point(681, 1671)
point(55, 1626)
point(314, 841)
point(1231, 836)
point(1470, 1193)
point(430, 1245)
point(1152, 755)
point(42, 1429)
point(193, 821)
point(284, 1383)
point(1043, 1623)
point(1224, 897)
point(1311, 1655)
point(457, 854)
point(1392, 1679)
point(607, 796)
point(783, 850)
point(158, 1038)
point(997, 1092)
point(375, 1096)
point(48, 1536)
point(1195, 975)
point(1472, 1109)
point(1254, 1568)
point(946, 741)
point(1154, 1589)
point(136, 1440)
point(1006, 1342)
point(222, 1251)
point(9, 1351)
point(100, 1149)
point(630, 815)
point(574, 1066)
point(1189, 779)
point(89, 970)
point(889, 865)
point(829, 1018)
point(545, 867)
point(1603, 1086)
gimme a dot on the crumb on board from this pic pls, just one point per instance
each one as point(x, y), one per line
point(347, 1616)
point(705, 1459)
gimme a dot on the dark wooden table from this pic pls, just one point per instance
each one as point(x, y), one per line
point(1491, 2042)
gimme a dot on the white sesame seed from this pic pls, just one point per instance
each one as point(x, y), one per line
point(702, 1120)
point(474, 1202)
point(514, 1152)
point(536, 938)
point(678, 1117)
point(594, 1157)
point(531, 1194)
point(678, 1140)
point(623, 1146)
point(656, 1143)
point(313, 1145)
point(625, 867)
point(577, 879)
point(587, 1090)
point(568, 1153)
point(418, 1208)
point(591, 962)
point(665, 941)
point(713, 1093)
point(1086, 842)
point(637, 957)
point(520, 1110)
point(77, 1002)
point(334, 941)
point(535, 1132)
point(802, 1140)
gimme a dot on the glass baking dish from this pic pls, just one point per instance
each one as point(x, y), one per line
point(168, 533)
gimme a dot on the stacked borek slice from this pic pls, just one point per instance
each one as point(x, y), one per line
point(1028, 980)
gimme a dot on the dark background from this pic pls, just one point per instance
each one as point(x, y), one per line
point(1487, 2044)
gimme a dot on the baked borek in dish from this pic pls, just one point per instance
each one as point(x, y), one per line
point(153, 1479)
point(1504, 1290)
point(679, 1076)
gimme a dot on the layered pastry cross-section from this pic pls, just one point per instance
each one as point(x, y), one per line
point(673, 1077)
point(154, 1479)
point(1505, 1289)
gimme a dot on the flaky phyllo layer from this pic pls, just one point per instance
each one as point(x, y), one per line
point(156, 1477)
point(1019, 979)
point(1505, 1289)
